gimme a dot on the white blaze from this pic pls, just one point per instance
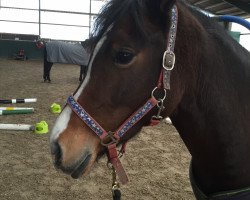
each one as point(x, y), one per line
point(63, 119)
point(87, 78)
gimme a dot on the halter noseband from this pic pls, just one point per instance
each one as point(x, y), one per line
point(168, 62)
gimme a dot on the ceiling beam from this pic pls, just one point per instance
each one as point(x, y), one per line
point(243, 5)
point(215, 5)
point(227, 10)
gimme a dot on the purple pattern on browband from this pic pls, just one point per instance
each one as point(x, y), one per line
point(85, 116)
point(135, 117)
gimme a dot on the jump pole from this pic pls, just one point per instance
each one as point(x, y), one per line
point(39, 128)
point(15, 108)
point(17, 127)
point(10, 101)
point(13, 112)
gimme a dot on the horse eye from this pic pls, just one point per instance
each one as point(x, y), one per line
point(123, 57)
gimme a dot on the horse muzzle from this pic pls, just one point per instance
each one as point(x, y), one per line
point(77, 167)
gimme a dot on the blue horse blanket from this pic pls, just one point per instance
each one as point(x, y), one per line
point(63, 52)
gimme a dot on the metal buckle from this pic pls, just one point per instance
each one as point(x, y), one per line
point(168, 60)
point(110, 136)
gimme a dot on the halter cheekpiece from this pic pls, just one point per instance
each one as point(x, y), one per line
point(168, 63)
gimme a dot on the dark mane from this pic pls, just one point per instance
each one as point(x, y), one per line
point(136, 10)
point(114, 11)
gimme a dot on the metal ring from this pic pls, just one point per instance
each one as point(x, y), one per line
point(109, 165)
point(113, 139)
point(159, 99)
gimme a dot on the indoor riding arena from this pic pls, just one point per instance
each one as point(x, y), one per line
point(156, 160)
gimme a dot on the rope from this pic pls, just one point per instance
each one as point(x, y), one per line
point(116, 192)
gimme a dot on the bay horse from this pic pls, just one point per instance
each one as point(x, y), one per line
point(139, 44)
point(62, 52)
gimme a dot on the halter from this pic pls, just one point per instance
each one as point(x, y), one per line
point(113, 138)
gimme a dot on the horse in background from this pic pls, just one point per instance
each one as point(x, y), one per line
point(149, 64)
point(68, 53)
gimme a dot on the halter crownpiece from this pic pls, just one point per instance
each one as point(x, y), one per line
point(114, 137)
point(168, 60)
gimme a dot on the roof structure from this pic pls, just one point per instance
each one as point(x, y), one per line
point(239, 8)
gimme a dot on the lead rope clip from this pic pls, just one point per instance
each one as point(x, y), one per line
point(160, 107)
point(116, 192)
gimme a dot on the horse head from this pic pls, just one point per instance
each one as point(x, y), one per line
point(125, 66)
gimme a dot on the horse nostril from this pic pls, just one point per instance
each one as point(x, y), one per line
point(57, 153)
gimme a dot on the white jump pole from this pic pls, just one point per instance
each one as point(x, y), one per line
point(10, 101)
point(39, 128)
point(17, 127)
point(16, 108)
